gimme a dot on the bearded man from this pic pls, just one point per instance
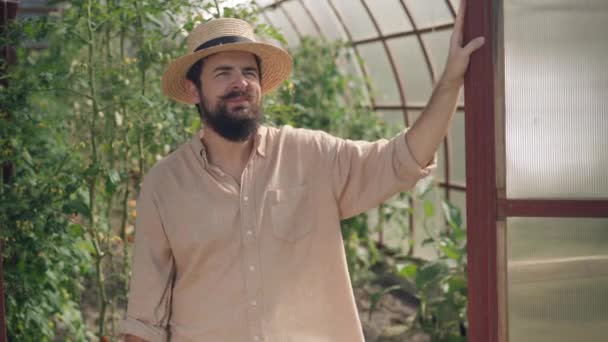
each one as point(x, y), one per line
point(238, 230)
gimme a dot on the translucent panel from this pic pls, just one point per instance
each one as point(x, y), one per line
point(540, 239)
point(441, 163)
point(279, 20)
point(263, 3)
point(559, 311)
point(428, 13)
point(349, 65)
point(379, 71)
point(356, 19)
point(458, 167)
point(392, 117)
point(389, 15)
point(556, 81)
point(412, 69)
point(301, 18)
point(455, 5)
point(557, 279)
point(325, 17)
point(438, 45)
point(459, 199)
point(414, 115)
point(264, 19)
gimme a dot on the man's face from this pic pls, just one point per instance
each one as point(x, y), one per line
point(231, 94)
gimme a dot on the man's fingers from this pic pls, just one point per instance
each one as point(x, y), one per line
point(474, 45)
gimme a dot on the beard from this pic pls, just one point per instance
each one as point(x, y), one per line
point(230, 124)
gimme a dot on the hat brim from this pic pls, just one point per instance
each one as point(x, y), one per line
point(275, 62)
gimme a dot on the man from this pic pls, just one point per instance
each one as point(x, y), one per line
point(237, 232)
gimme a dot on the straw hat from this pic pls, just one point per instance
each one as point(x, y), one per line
point(218, 35)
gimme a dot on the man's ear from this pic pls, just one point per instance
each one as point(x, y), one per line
point(193, 92)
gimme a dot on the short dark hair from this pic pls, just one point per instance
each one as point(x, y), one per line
point(194, 73)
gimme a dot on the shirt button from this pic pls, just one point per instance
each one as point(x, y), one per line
point(252, 268)
point(249, 232)
point(254, 303)
point(256, 338)
point(245, 198)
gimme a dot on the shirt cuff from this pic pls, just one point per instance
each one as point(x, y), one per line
point(150, 333)
point(407, 166)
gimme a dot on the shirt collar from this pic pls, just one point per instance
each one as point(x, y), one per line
point(196, 143)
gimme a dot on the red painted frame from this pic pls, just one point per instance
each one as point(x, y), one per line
point(487, 206)
point(480, 104)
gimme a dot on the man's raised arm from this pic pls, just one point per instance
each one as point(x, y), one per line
point(425, 135)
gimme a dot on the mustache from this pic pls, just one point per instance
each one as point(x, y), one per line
point(236, 93)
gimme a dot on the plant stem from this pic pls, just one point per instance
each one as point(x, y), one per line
point(125, 201)
point(93, 181)
point(140, 142)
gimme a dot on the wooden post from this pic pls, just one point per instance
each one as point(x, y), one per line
point(480, 142)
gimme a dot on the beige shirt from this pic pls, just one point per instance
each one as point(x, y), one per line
point(263, 261)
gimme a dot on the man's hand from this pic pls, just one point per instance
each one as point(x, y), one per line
point(459, 56)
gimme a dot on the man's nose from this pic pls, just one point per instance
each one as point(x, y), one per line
point(240, 82)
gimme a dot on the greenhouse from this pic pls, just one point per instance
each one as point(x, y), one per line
point(142, 203)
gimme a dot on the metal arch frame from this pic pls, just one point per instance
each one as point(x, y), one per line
point(405, 107)
point(435, 28)
point(391, 60)
point(447, 151)
point(356, 50)
point(447, 184)
point(406, 118)
point(277, 6)
point(312, 19)
point(291, 22)
point(451, 8)
point(340, 21)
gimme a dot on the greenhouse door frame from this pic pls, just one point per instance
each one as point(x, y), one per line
point(487, 204)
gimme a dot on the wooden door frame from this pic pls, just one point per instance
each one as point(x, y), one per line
point(487, 205)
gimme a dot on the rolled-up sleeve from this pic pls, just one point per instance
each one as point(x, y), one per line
point(150, 292)
point(367, 173)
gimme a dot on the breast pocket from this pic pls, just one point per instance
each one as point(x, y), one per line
point(291, 212)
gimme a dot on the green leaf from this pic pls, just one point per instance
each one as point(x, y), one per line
point(429, 209)
point(77, 206)
point(429, 274)
point(76, 230)
point(450, 251)
point(452, 215)
point(408, 271)
point(112, 181)
point(154, 20)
